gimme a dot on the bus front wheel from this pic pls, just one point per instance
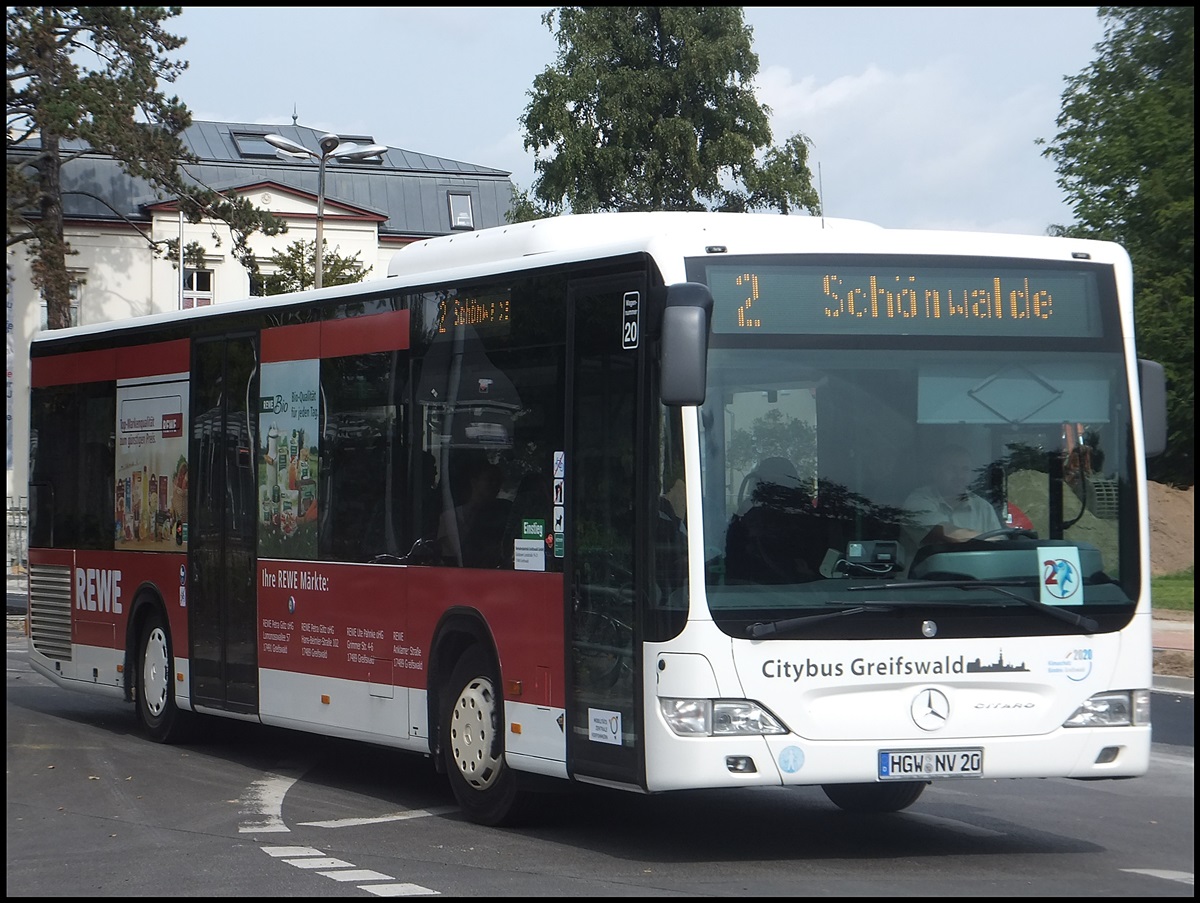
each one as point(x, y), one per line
point(156, 710)
point(472, 728)
point(874, 798)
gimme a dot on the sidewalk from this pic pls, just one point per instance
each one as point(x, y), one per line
point(1174, 634)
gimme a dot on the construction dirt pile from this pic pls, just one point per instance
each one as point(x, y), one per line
point(1172, 515)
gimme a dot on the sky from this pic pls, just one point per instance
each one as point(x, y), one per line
point(919, 117)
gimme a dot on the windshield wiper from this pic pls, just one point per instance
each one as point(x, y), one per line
point(770, 628)
point(1089, 625)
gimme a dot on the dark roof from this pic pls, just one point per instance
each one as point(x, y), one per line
point(406, 187)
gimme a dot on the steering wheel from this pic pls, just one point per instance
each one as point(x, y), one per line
point(1008, 532)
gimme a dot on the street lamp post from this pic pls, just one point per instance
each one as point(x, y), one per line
point(332, 148)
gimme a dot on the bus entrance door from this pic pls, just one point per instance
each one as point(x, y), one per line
point(601, 488)
point(222, 619)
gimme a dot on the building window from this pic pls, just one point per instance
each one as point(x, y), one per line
point(253, 145)
point(260, 284)
point(462, 217)
point(197, 288)
point(76, 291)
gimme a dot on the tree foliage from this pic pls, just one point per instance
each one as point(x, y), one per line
point(1125, 155)
point(296, 266)
point(775, 435)
point(653, 108)
point(85, 79)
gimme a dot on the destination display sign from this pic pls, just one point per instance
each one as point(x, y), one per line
point(904, 299)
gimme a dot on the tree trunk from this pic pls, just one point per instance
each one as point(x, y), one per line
point(50, 264)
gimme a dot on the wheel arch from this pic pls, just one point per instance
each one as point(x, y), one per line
point(146, 601)
point(458, 630)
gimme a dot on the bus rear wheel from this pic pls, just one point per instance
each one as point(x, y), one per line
point(874, 798)
point(472, 727)
point(156, 710)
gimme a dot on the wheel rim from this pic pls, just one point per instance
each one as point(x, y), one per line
point(155, 673)
point(473, 734)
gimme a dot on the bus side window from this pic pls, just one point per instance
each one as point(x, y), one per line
point(362, 492)
point(471, 532)
point(72, 465)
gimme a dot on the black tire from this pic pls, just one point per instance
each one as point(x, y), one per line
point(157, 713)
point(874, 798)
point(472, 741)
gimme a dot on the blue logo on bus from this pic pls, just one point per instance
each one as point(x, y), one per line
point(1061, 578)
point(791, 759)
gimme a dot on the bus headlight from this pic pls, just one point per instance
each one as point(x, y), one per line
point(719, 717)
point(1116, 709)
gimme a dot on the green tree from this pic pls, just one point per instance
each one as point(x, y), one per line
point(1125, 155)
point(296, 265)
point(85, 79)
point(523, 208)
point(775, 434)
point(652, 108)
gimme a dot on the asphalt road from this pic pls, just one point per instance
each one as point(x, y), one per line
point(94, 809)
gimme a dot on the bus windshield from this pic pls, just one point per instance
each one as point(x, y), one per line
point(868, 457)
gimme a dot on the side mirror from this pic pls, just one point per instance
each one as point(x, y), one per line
point(684, 350)
point(1153, 383)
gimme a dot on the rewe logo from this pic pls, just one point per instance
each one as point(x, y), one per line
point(98, 590)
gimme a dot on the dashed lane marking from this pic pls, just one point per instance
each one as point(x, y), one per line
point(398, 890)
point(289, 852)
point(340, 870)
point(356, 875)
point(319, 862)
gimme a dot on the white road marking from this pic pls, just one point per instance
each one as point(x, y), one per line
point(319, 862)
point(1161, 757)
point(399, 890)
point(1187, 878)
point(312, 858)
point(262, 804)
point(357, 875)
point(292, 851)
point(379, 819)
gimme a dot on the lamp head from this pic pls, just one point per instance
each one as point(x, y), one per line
point(287, 146)
point(329, 143)
point(353, 152)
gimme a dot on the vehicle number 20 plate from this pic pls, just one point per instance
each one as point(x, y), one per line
point(907, 764)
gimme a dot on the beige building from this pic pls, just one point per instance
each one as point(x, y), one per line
point(373, 207)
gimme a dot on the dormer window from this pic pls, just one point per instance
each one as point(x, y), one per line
point(462, 216)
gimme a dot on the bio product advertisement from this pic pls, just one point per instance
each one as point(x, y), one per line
point(151, 498)
point(287, 481)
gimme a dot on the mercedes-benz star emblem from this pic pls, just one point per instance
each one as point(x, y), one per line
point(930, 710)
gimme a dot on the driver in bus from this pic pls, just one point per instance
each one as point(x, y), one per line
point(946, 510)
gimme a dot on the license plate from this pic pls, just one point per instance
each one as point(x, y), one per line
point(908, 764)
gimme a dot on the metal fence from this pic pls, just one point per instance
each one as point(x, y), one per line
point(18, 536)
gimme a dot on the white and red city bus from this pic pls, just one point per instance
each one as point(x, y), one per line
point(624, 499)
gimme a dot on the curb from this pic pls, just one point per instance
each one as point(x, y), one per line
point(1182, 686)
